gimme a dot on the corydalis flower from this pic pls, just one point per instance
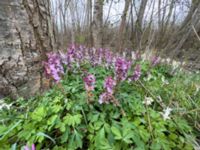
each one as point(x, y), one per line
point(109, 84)
point(106, 98)
point(108, 58)
point(32, 147)
point(121, 68)
point(53, 66)
point(89, 82)
point(137, 73)
point(155, 60)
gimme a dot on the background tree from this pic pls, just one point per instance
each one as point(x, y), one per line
point(120, 40)
point(139, 22)
point(97, 23)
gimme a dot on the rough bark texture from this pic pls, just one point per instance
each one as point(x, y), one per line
point(139, 22)
point(97, 23)
point(120, 37)
point(25, 35)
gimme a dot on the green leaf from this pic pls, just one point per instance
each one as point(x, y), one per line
point(52, 119)
point(116, 132)
point(38, 114)
point(72, 120)
point(78, 139)
point(56, 108)
point(45, 135)
point(65, 136)
point(75, 141)
point(105, 145)
point(12, 128)
point(62, 127)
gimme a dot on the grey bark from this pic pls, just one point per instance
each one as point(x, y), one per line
point(26, 34)
point(73, 18)
point(88, 23)
point(122, 26)
point(139, 21)
point(97, 23)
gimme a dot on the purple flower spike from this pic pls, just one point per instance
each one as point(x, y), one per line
point(105, 98)
point(121, 68)
point(33, 147)
point(109, 84)
point(137, 73)
point(89, 82)
point(53, 66)
point(155, 60)
point(26, 148)
point(108, 58)
point(63, 57)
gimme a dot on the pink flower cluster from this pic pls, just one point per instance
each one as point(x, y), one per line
point(121, 68)
point(89, 82)
point(77, 55)
point(32, 147)
point(136, 74)
point(107, 96)
point(109, 84)
point(155, 60)
point(53, 66)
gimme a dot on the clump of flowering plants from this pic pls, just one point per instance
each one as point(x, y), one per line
point(63, 119)
point(76, 56)
point(107, 97)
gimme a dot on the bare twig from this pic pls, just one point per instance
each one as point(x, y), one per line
point(195, 32)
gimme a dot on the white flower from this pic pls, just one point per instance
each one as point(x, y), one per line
point(175, 64)
point(166, 112)
point(164, 81)
point(149, 77)
point(147, 101)
point(168, 60)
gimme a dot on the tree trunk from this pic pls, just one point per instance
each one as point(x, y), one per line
point(26, 34)
point(120, 41)
point(89, 23)
point(97, 23)
point(179, 38)
point(73, 23)
point(139, 22)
